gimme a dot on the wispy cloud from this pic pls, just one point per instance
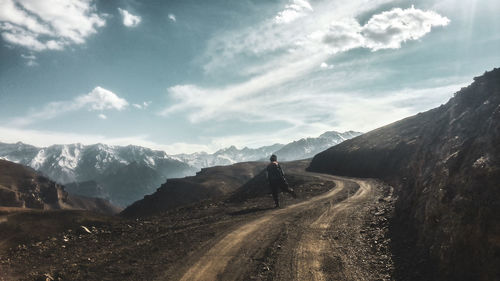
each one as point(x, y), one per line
point(49, 24)
point(172, 17)
point(98, 99)
point(30, 59)
point(281, 85)
point(143, 105)
point(102, 116)
point(129, 20)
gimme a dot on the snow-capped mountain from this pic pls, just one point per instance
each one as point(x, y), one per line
point(308, 147)
point(123, 174)
point(300, 149)
point(228, 156)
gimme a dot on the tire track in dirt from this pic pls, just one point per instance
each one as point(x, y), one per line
point(314, 244)
point(228, 259)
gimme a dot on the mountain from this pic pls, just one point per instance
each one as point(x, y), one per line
point(228, 156)
point(445, 167)
point(23, 187)
point(308, 147)
point(124, 174)
point(297, 150)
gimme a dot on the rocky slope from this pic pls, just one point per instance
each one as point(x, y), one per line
point(445, 165)
point(123, 174)
point(22, 187)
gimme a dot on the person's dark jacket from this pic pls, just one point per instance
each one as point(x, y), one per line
point(275, 174)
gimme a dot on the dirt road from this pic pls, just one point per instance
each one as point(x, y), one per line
point(319, 239)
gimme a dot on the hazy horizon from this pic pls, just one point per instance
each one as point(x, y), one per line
point(188, 76)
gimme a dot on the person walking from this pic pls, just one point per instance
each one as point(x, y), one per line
point(277, 180)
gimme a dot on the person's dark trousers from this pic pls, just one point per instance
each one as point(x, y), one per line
point(275, 190)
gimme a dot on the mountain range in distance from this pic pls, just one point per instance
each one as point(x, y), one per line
point(296, 150)
point(124, 174)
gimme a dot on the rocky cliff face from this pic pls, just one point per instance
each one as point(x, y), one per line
point(23, 187)
point(445, 164)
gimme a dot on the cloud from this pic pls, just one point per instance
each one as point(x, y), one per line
point(324, 65)
point(102, 116)
point(49, 24)
point(273, 85)
point(172, 17)
point(98, 99)
point(129, 20)
point(297, 106)
point(296, 9)
point(30, 59)
point(144, 105)
point(387, 30)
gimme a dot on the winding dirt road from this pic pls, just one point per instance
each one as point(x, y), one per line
point(318, 239)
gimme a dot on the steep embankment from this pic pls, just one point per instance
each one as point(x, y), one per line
point(23, 187)
point(446, 166)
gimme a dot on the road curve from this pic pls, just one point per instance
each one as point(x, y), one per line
point(230, 256)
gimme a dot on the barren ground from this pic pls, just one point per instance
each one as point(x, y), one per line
point(335, 230)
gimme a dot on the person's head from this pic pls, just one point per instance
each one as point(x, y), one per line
point(273, 158)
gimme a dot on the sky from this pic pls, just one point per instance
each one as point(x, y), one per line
point(186, 76)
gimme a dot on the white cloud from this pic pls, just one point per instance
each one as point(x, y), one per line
point(98, 99)
point(172, 17)
point(48, 24)
point(324, 65)
point(144, 105)
point(129, 20)
point(274, 84)
point(386, 30)
point(102, 116)
point(389, 29)
point(296, 9)
point(297, 106)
